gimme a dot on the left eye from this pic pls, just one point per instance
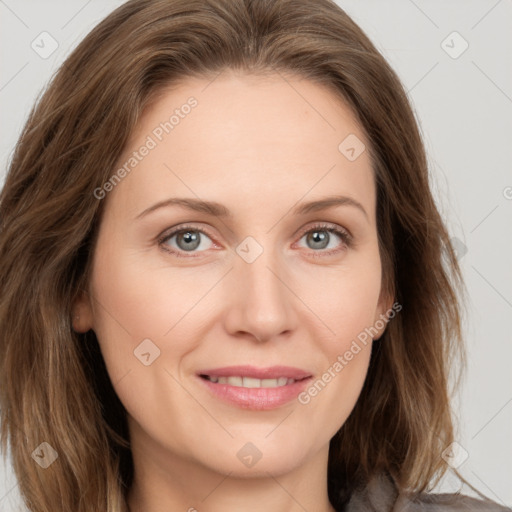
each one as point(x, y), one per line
point(188, 239)
point(320, 236)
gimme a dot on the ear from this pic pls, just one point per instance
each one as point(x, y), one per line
point(81, 313)
point(384, 312)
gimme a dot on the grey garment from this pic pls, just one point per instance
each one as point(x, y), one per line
point(381, 495)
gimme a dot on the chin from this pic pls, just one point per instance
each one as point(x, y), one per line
point(251, 462)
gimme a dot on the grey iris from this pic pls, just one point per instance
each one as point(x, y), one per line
point(318, 237)
point(190, 237)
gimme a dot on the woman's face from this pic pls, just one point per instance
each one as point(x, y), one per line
point(264, 285)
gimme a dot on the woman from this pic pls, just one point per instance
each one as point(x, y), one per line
point(295, 356)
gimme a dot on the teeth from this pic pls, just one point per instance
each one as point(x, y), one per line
point(250, 382)
point(232, 381)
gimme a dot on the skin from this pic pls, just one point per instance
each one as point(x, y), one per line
point(258, 145)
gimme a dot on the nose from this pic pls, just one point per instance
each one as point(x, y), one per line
point(260, 302)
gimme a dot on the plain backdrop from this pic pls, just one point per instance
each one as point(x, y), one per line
point(454, 60)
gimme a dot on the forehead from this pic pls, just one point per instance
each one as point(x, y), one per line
point(245, 139)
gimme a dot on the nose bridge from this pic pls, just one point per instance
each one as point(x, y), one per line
point(261, 304)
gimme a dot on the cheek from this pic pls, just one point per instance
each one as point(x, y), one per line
point(345, 302)
point(348, 312)
point(135, 300)
point(133, 304)
point(344, 298)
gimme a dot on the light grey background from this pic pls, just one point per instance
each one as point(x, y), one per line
point(464, 106)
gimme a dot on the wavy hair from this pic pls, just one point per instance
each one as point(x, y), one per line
point(54, 386)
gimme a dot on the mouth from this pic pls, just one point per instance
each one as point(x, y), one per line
point(252, 388)
point(251, 382)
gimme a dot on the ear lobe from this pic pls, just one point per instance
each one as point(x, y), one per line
point(81, 313)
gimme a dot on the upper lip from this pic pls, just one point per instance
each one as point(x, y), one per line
point(270, 372)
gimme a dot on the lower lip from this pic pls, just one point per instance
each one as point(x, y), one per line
point(256, 398)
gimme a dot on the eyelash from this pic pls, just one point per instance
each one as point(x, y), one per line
point(346, 238)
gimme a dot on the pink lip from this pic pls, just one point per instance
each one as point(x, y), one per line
point(256, 398)
point(271, 372)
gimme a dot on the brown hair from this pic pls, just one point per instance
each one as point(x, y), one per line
point(54, 386)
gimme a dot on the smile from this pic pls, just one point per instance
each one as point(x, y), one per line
point(252, 387)
point(250, 382)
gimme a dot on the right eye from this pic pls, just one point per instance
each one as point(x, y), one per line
point(187, 240)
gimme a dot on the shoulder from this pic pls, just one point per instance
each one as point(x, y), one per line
point(381, 495)
point(447, 502)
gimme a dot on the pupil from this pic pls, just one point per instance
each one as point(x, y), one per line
point(320, 239)
point(189, 236)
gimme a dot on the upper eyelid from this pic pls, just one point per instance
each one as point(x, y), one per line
point(324, 225)
point(169, 233)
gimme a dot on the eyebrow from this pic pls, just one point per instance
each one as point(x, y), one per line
point(219, 210)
